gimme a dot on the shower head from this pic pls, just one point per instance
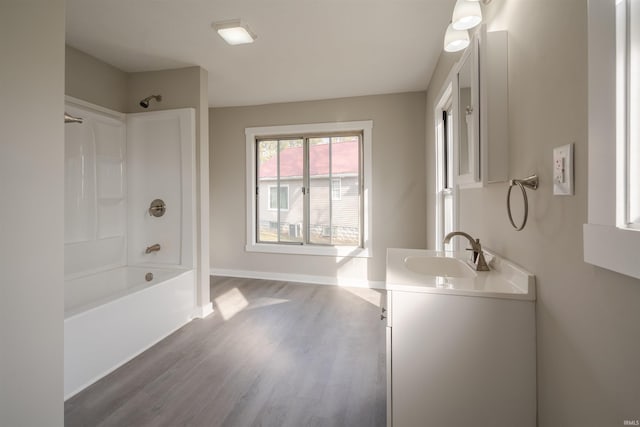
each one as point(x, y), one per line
point(145, 102)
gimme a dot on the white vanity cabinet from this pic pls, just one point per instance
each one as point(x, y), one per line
point(457, 358)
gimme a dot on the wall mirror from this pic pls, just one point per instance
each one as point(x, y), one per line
point(468, 113)
point(481, 104)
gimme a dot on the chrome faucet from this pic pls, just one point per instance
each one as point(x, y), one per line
point(478, 256)
point(152, 248)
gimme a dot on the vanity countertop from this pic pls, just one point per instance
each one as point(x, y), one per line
point(454, 275)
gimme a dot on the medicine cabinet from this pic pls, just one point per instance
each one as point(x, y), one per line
point(481, 111)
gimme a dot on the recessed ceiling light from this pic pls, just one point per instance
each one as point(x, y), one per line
point(234, 32)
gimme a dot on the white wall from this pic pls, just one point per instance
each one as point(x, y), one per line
point(90, 79)
point(588, 321)
point(184, 87)
point(398, 182)
point(31, 213)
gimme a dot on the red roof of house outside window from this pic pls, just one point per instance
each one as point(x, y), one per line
point(344, 156)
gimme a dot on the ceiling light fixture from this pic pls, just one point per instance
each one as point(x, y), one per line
point(455, 40)
point(466, 14)
point(234, 32)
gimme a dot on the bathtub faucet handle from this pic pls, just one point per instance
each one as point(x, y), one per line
point(152, 248)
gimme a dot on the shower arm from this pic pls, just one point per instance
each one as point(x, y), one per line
point(68, 118)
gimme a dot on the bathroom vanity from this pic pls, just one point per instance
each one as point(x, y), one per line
point(460, 343)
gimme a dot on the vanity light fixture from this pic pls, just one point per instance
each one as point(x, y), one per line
point(466, 14)
point(455, 40)
point(235, 32)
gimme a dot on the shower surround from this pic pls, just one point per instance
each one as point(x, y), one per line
point(120, 299)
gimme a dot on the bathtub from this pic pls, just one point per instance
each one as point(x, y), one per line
point(112, 316)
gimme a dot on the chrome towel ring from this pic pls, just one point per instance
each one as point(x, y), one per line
point(530, 182)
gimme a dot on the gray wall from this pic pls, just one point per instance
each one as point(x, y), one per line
point(92, 80)
point(588, 321)
point(398, 181)
point(31, 217)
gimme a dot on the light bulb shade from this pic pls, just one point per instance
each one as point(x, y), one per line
point(234, 32)
point(455, 40)
point(466, 14)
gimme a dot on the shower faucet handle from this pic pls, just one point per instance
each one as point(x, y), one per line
point(157, 208)
point(152, 248)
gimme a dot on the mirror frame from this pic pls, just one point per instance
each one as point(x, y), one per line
point(489, 154)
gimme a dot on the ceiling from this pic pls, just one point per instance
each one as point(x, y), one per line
point(306, 49)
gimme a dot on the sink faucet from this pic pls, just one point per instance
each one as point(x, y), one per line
point(152, 248)
point(478, 255)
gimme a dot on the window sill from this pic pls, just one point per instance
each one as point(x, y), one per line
point(612, 248)
point(335, 251)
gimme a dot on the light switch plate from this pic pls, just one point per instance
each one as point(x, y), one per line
point(563, 170)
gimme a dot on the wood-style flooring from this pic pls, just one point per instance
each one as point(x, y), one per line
point(272, 354)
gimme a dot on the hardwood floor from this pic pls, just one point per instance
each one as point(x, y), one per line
point(272, 354)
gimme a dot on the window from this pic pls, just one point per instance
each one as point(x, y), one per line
point(279, 198)
point(336, 189)
point(445, 196)
point(612, 235)
point(308, 189)
point(629, 95)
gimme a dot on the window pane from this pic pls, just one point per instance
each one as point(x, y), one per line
point(448, 217)
point(267, 203)
point(633, 148)
point(448, 134)
point(280, 203)
point(291, 205)
point(334, 197)
point(332, 211)
point(319, 193)
point(345, 210)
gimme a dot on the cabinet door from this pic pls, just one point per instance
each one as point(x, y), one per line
point(389, 378)
point(461, 360)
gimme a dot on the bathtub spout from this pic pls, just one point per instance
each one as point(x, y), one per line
point(152, 248)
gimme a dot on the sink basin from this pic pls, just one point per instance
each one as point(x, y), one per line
point(446, 272)
point(439, 266)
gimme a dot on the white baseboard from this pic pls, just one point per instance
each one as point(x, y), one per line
point(203, 311)
point(300, 278)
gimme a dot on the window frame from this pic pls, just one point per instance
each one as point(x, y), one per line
point(446, 185)
point(608, 241)
point(252, 134)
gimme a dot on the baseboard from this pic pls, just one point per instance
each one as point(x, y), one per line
point(203, 311)
point(300, 278)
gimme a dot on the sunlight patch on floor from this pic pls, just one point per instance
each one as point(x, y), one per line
point(265, 302)
point(231, 303)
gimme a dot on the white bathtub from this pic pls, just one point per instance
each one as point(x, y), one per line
point(113, 316)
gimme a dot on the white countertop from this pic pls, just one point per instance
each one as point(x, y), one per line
point(504, 280)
